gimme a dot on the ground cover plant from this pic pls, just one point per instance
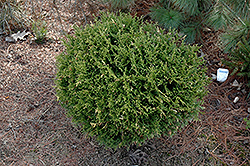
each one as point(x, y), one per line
point(40, 31)
point(125, 81)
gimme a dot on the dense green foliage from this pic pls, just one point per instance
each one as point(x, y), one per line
point(126, 81)
point(119, 4)
point(232, 17)
point(188, 16)
point(40, 30)
point(192, 16)
point(240, 59)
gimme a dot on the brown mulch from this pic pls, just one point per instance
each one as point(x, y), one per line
point(34, 128)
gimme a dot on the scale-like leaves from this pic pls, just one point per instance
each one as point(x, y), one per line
point(126, 81)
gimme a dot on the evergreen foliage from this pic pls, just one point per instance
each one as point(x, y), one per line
point(234, 35)
point(40, 30)
point(240, 59)
point(119, 4)
point(236, 38)
point(188, 16)
point(239, 26)
point(125, 81)
point(230, 16)
point(198, 14)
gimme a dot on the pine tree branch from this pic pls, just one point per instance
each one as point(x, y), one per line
point(242, 22)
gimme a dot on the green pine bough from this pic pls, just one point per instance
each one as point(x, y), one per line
point(119, 4)
point(125, 81)
point(240, 59)
point(187, 16)
point(191, 17)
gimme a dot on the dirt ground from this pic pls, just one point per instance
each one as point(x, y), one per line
point(35, 130)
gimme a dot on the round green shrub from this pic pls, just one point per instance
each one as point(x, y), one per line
point(125, 81)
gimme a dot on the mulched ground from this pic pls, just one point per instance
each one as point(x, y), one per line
point(34, 128)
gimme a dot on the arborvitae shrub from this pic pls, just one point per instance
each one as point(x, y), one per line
point(125, 81)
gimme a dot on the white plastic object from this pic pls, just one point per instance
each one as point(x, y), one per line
point(236, 99)
point(222, 74)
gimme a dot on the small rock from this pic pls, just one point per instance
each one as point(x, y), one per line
point(235, 83)
point(213, 76)
point(202, 53)
point(236, 99)
point(10, 39)
point(9, 56)
point(20, 35)
point(14, 37)
point(9, 127)
point(243, 91)
point(207, 29)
